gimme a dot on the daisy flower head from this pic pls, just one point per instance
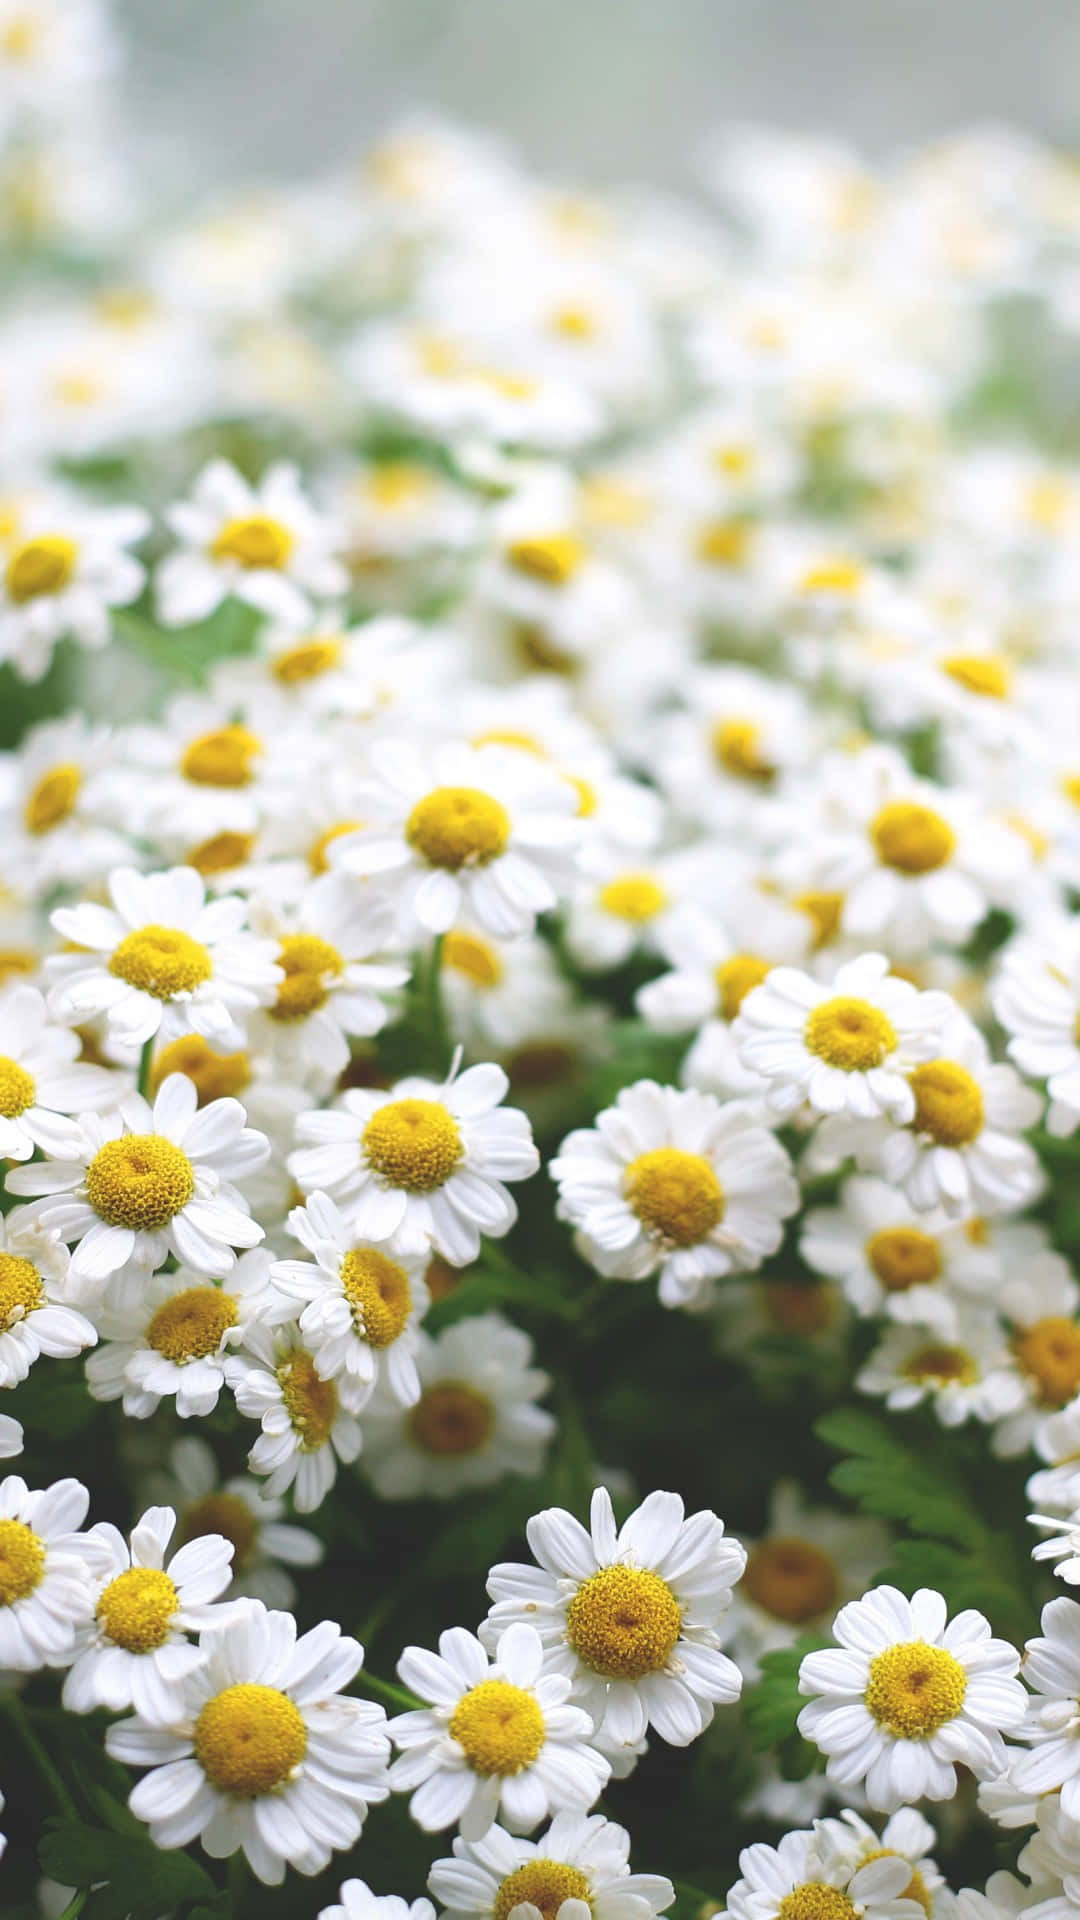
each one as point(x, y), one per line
point(424, 1164)
point(266, 1754)
point(908, 1695)
point(57, 832)
point(807, 1562)
point(263, 1542)
point(359, 1307)
point(35, 1316)
point(906, 1836)
point(498, 993)
point(809, 1874)
point(971, 1374)
point(135, 1649)
point(306, 1429)
point(1037, 1001)
point(63, 567)
point(1039, 1301)
point(146, 1182)
point(481, 832)
point(671, 1182)
point(265, 545)
point(357, 1902)
point(475, 1421)
point(894, 1261)
point(1056, 1440)
point(627, 906)
point(581, 1861)
point(632, 1616)
point(712, 969)
point(1052, 1671)
point(1062, 1547)
point(41, 1074)
point(499, 1735)
point(162, 955)
point(45, 1566)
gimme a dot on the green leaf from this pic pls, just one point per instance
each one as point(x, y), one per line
point(886, 1476)
point(129, 1874)
point(774, 1704)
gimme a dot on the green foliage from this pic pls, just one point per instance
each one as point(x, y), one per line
point(131, 1878)
point(772, 1706)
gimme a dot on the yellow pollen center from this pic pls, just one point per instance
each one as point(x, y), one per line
point(904, 1257)
point(797, 1308)
point(378, 1292)
point(980, 673)
point(914, 1689)
point(312, 966)
point(306, 661)
point(192, 1324)
point(249, 1740)
point(53, 798)
point(21, 1291)
point(477, 959)
point(823, 908)
point(455, 827)
point(318, 852)
point(141, 1181)
point(552, 558)
point(136, 1609)
point(221, 852)
point(216, 1076)
point(1070, 787)
point(15, 961)
point(574, 323)
point(311, 1403)
point(396, 485)
point(941, 1365)
point(255, 541)
point(43, 565)
point(737, 746)
point(224, 758)
point(19, 40)
point(814, 1901)
point(948, 1103)
point(22, 1561)
point(791, 1579)
point(17, 1088)
point(1050, 1352)
point(724, 543)
point(916, 1888)
point(675, 1195)
point(911, 838)
point(733, 460)
point(500, 1728)
point(161, 961)
point(543, 1884)
point(452, 1418)
point(227, 1514)
point(611, 502)
point(586, 796)
point(832, 576)
point(623, 1623)
point(636, 897)
point(737, 977)
point(850, 1035)
point(413, 1144)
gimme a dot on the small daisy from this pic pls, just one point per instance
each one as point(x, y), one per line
point(906, 1836)
point(1039, 1299)
point(1062, 1549)
point(581, 1862)
point(498, 1736)
point(634, 1618)
point(907, 1696)
point(670, 1181)
point(1052, 1671)
point(135, 1651)
point(263, 1542)
point(893, 1260)
point(162, 954)
point(265, 545)
point(1037, 1001)
point(970, 1375)
point(41, 1074)
point(422, 1165)
point(267, 1754)
point(360, 1307)
point(357, 1902)
point(1056, 1440)
point(62, 773)
point(144, 1183)
point(35, 1317)
point(712, 971)
point(809, 1561)
point(305, 1428)
point(498, 993)
point(475, 1421)
point(808, 1877)
point(45, 1566)
point(61, 570)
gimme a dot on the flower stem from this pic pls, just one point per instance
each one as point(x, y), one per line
point(386, 1690)
point(145, 1062)
point(20, 1720)
point(436, 1007)
point(236, 1878)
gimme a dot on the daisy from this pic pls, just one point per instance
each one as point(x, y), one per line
point(267, 1754)
point(483, 832)
point(41, 1074)
point(712, 971)
point(843, 1048)
point(199, 774)
point(147, 1182)
point(263, 1542)
point(57, 835)
point(1056, 1440)
point(906, 1836)
point(306, 1429)
point(632, 1617)
point(498, 1735)
point(498, 993)
point(422, 1165)
point(674, 1183)
point(627, 907)
point(360, 1308)
point(357, 1902)
point(61, 570)
point(1052, 1671)
point(581, 1860)
point(809, 1875)
point(1062, 1549)
point(970, 1375)
point(808, 1561)
point(475, 1421)
point(1040, 1301)
point(135, 1650)
point(1037, 1001)
point(162, 955)
point(264, 545)
point(35, 1317)
point(907, 1696)
point(45, 1566)
point(893, 1260)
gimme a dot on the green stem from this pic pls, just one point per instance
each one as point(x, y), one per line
point(395, 1696)
point(236, 1876)
point(76, 1904)
point(17, 1714)
point(146, 1060)
point(437, 1022)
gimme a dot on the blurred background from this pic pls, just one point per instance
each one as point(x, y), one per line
point(600, 89)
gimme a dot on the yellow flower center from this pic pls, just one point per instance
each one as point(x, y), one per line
point(981, 673)
point(141, 1181)
point(791, 1579)
point(552, 558)
point(21, 1291)
point(216, 1076)
point(948, 1103)
point(249, 1740)
point(395, 485)
point(543, 1884)
point(1070, 787)
point(911, 838)
point(43, 565)
point(311, 1403)
point(378, 1292)
point(308, 660)
point(311, 968)
point(737, 977)
point(53, 798)
point(223, 1513)
point(475, 958)
point(136, 1609)
point(916, 1888)
point(17, 1088)
point(1050, 1352)
point(413, 1144)
point(161, 961)
point(452, 1418)
point(574, 323)
point(940, 1365)
point(849, 1034)
point(221, 852)
point(795, 1307)
point(20, 38)
point(914, 1689)
point(733, 460)
point(623, 1623)
point(636, 897)
point(22, 1561)
point(15, 961)
point(224, 758)
point(904, 1257)
point(823, 908)
point(611, 502)
point(675, 1195)
point(254, 541)
point(192, 1324)
point(724, 543)
point(500, 1728)
point(737, 746)
point(813, 1901)
point(318, 852)
point(838, 575)
point(455, 827)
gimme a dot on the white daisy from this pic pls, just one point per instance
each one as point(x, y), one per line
point(808, 1561)
point(263, 1542)
point(1039, 1300)
point(809, 1875)
point(1037, 1001)
point(45, 1567)
point(267, 1755)
point(476, 1418)
point(162, 954)
point(41, 1074)
point(633, 1617)
point(11, 1437)
point(57, 835)
point(712, 969)
point(306, 1429)
point(670, 1181)
point(422, 1165)
point(1056, 1440)
point(499, 993)
point(1062, 1549)
point(893, 1260)
point(61, 570)
point(144, 1183)
point(970, 1375)
point(135, 1650)
point(907, 1696)
point(357, 1902)
point(1052, 1671)
point(498, 1736)
point(582, 1861)
point(906, 1837)
point(35, 1316)
point(265, 545)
